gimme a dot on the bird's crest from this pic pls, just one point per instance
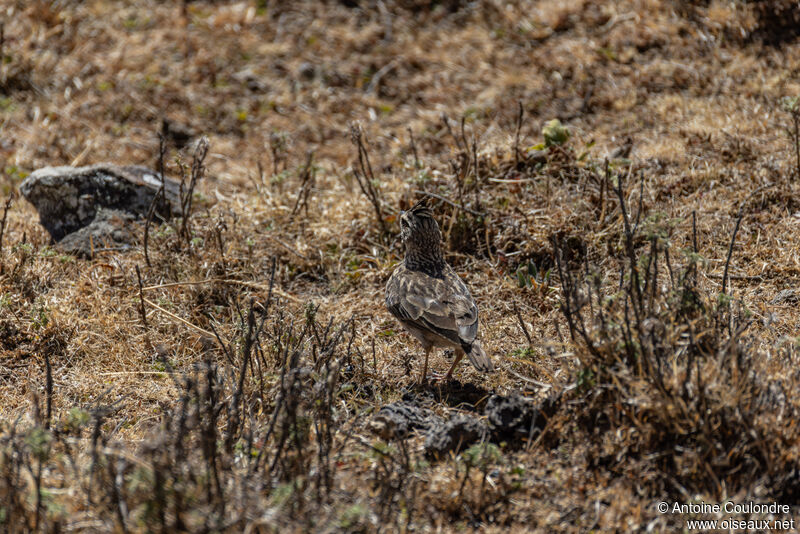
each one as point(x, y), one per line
point(421, 208)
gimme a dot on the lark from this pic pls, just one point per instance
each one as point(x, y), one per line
point(428, 297)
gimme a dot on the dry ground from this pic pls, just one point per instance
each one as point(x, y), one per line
point(276, 87)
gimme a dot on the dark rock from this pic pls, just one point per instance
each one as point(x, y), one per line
point(307, 71)
point(398, 419)
point(456, 434)
point(110, 229)
point(69, 199)
point(465, 396)
point(415, 394)
point(516, 416)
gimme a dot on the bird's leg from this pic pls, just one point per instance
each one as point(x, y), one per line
point(424, 377)
point(459, 355)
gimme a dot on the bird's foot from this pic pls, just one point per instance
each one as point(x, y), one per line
point(432, 379)
point(441, 378)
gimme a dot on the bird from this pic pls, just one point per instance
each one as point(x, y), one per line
point(429, 299)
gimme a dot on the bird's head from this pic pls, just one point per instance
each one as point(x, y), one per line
point(418, 228)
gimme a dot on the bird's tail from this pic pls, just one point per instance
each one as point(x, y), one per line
point(479, 359)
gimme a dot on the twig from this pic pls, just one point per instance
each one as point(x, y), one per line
point(796, 120)
point(694, 248)
point(181, 319)
point(2, 53)
point(5, 214)
point(220, 227)
point(522, 325)
point(448, 201)
point(387, 22)
point(250, 337)
point(641, 197)
point(733, 237)
point(222, 344)
point(287, 247)
point(587, 98)
point(244, 283)
point(516, 138)
point(730, 250)
point(48, 388)
point(446, 122)
point(122, 373)
point(528, 379)
point(603, 187)
point(366, 182)
point(376, 78)
point(512, 181)
point(78, 160)
point(162, 148)
point(752, 278)
point(198, 171)
point(629, 233)
point(141, 298)
point(476, 172)
point(307, 182)
point(463, 133)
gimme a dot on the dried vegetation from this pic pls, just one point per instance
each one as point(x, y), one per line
point(635, 262)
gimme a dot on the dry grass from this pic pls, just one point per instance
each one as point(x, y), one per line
point(242, 405)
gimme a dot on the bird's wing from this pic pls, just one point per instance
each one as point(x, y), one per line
point(442, 306)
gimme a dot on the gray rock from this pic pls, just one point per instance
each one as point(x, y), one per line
point(70, 199)
point(110, 229)
point(398, 419)
point(455, 435)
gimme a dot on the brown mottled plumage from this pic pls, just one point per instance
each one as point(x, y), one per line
point(428, 297)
